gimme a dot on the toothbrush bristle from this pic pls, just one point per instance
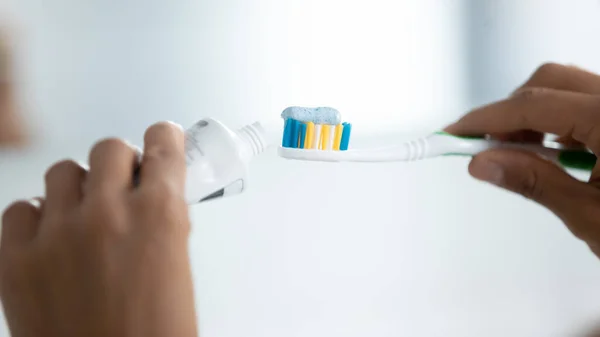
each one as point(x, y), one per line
point(345, 141)
point(302, 135)
point(325, 137)
point(317, 138)
point(287, 131)
point(295, 133)
point(311, 136)
point(337, 138)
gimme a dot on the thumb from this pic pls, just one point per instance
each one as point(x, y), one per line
point(535, 178)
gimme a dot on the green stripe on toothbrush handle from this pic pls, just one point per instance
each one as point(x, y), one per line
point(577, 159)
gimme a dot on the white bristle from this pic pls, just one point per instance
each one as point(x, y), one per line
point(331, 137)
point(318, 128)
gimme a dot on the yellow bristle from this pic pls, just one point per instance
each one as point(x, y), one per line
point(338, 137)
point(310, 135)
point(325, 137)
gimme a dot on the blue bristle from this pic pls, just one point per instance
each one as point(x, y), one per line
point(294, 133)
point(302, 135)
point(345, 142)
point(287, 130)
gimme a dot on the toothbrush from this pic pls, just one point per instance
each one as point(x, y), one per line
point(435, 145)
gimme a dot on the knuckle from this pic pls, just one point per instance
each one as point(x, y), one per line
point(102, 204)
point(585, 127)
point(63, 166)
point(160, 193)
point(162, 202)
point(547, 70)
point(529, 186)
point(157, 153)
point(586, 133)
point(528, 94)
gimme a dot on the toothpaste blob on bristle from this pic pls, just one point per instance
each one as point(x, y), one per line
point(322, 115)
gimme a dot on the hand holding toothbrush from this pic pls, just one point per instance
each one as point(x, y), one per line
point(559, 100)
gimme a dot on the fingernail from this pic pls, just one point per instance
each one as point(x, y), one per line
point(488, 171)
point(37, 202)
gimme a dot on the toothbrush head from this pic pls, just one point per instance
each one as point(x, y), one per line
point(315, 130)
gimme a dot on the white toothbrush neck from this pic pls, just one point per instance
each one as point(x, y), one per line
point(445, 144)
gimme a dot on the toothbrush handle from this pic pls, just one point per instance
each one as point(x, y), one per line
point(572, 158)
point(442, 143)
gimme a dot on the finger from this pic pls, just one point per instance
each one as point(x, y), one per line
point(20, 223)
point(596, 250)
point(112, 163)
point(564, 77)
point(558, 77)
point(64, 186)
point(537, 179)
point(163, 161)
point(562, 113)
point(569, 141)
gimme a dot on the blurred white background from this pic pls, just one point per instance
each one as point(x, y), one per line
point(415, 249)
